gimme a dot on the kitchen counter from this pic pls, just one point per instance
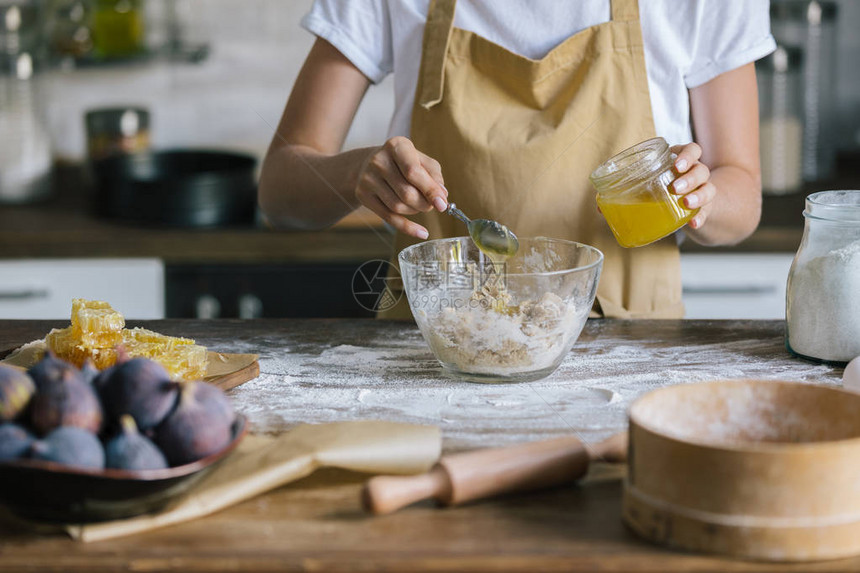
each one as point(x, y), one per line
point(327, 370)
point(66, 227)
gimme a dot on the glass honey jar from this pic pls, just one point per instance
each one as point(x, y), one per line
point(634, 196)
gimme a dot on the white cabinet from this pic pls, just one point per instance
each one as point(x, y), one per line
point(735, 285)
point(44, 288)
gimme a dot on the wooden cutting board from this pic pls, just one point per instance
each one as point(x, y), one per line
point(225, 370)
point(241, 368)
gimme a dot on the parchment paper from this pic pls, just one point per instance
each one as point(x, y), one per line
point(218, 364)
point(261, 464)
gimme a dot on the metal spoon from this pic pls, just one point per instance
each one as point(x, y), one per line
point(493, 238)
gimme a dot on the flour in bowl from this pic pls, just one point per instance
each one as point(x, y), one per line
point(490, 335)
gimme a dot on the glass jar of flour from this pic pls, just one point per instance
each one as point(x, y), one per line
point(823, 300)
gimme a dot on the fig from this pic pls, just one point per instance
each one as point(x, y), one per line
point(64, 399)
point(89, 371)
point(15, 441)
point(16, 390)
point(99, 380)
point(214, 399)
point(130, 450)
point(197, 427)
point(70, 446)
point(141, 388)
point(51, 369)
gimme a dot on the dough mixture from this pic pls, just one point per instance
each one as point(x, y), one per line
point(487, 334)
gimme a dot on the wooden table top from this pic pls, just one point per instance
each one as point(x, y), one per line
point(316, 524)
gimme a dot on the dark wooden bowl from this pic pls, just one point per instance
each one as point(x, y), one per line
point(46, 491)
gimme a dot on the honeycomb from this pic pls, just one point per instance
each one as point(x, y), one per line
point(96, 324)
point(144, 336)
point(97, 330)
point(180, 356)
point(66, 344)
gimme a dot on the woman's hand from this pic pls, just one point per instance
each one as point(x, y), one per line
point(693, 182)
point(398, 180)
point(308, 182)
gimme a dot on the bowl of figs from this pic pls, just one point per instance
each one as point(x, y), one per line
point(83, 445)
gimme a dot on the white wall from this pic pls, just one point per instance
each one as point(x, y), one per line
point(257, 50)
point(233, 99)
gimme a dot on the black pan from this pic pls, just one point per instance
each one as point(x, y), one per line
point(46, 491)
point(178, 188)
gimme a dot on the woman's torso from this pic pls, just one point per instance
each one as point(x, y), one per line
point(686, 41)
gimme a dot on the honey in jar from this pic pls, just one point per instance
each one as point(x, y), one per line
point(634, 195)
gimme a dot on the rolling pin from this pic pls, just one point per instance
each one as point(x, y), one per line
point(468, 476)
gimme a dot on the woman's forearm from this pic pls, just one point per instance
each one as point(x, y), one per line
point(302, 188)
point(725, 121)
point(306, 182)
point(736, 210)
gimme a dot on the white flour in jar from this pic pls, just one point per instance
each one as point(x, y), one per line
point(824, 306)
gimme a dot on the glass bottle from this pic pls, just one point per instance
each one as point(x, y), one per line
point(634, 195)
point(68, 30)
point(25, 154)
point(118, 28)
point(113, 131)
point(823, 297)
point(781, 120)
point(811, 25)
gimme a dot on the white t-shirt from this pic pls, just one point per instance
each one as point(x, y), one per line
point(687, 42)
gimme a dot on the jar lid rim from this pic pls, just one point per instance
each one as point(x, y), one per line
point(632, 163)
point(836, 198)
point(834, 205)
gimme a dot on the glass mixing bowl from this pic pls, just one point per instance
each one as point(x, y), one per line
point(493, 321)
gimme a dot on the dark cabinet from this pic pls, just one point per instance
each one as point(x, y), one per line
point(262, 291)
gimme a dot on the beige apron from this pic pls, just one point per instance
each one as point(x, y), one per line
point(517, 139)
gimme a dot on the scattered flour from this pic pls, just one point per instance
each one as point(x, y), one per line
point(387, 372)
point(824, 306)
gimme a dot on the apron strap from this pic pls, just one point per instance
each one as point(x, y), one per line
point(625, 10)
point(437, 33)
